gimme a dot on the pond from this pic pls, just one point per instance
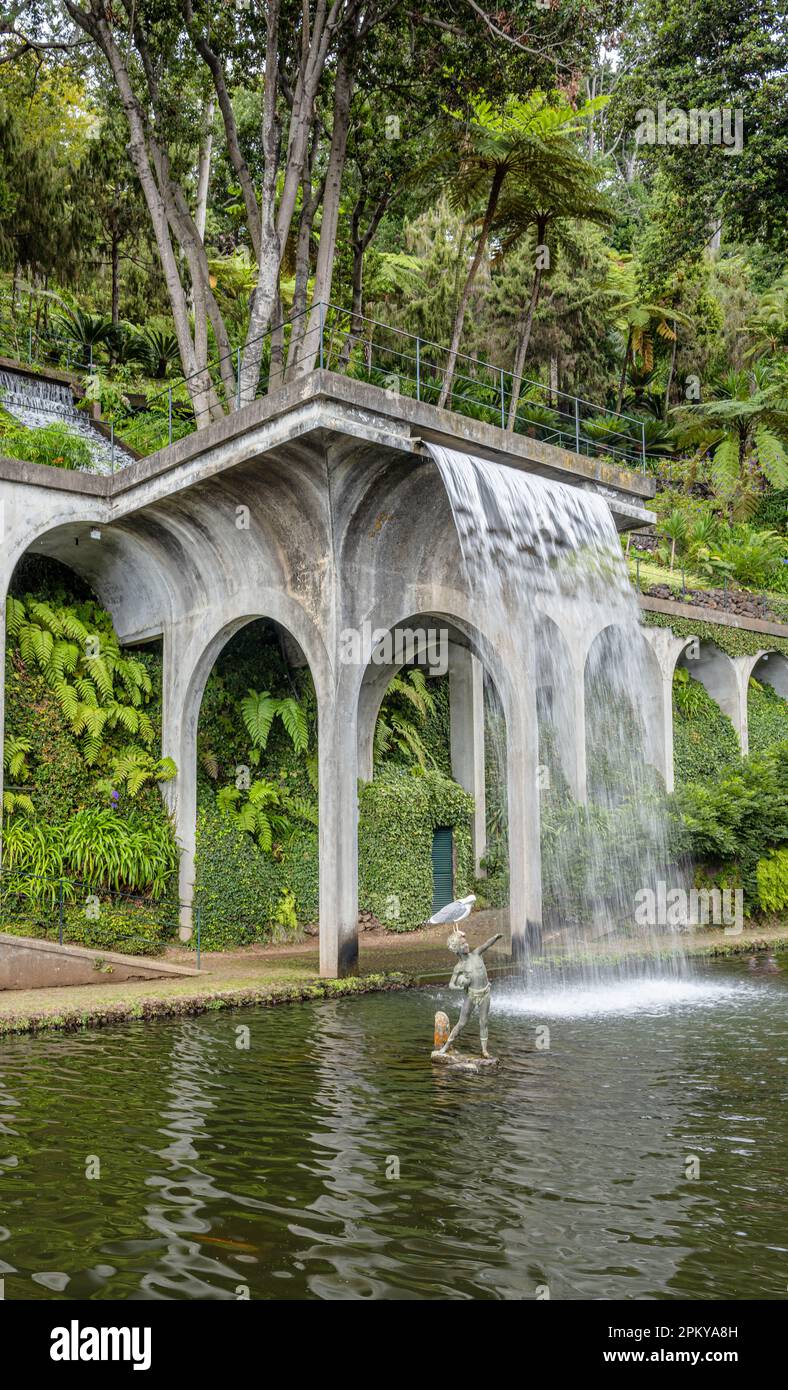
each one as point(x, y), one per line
point(330, 1160)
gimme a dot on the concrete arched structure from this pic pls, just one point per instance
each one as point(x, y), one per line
point(470, 652)
point(320, 509)
point(771, 668)
point(618, 647)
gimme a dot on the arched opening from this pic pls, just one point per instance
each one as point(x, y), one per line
point(89, 854)
point(767, 702)
point(624, 727)
point(709, 712)
point(600, 855)
point(256, 848)
point(434, 815)
point(707, 663)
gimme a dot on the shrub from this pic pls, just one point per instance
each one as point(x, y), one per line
point(740, 818)
point(772, 876)
point(704, 739)
point(54, 445)
point(399, 813)
point(767, 717)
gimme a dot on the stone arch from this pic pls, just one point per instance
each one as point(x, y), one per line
point(190, 658)
point(512, 672)
point(723, 677)
point(634, 670)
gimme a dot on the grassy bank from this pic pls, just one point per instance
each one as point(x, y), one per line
point(17, 1016)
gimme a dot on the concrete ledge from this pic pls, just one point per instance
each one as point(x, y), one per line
point(27, 963)
point(341, 404)
point(698, 614)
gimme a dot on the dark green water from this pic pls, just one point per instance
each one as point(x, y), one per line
point(266, 1169)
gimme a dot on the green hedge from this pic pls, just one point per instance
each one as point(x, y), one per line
point(399, 812)
point(238, 887)
point(704, 743)
point(138, 930)
point(767, 718)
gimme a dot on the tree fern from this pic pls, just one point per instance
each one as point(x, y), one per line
point(258, 711)
point(293, 716)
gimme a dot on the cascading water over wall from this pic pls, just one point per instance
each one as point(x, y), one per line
point(546, 558)
point(38, 401)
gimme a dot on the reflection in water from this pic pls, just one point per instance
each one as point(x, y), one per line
point(275, 1169)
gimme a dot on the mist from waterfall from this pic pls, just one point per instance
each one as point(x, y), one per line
point(552, 551)
point(39, 401)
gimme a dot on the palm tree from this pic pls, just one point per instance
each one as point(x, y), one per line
point(768, 326)
point(567, 189)
point(745, 423)
point(638, 319)
point(478, 159)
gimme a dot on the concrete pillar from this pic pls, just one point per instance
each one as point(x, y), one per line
point(338, 837)
point(179, 742)
point(2, 698)
point(742, 667)
point(466, 736)
point(574, 731)
point(658, 701)
point(525, 860)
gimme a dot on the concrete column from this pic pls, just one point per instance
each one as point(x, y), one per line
point(179, 742)
point(466, 735)
point(742, 667)
point(338, 837)
point(658, 700)
point(574, 756)
point(2, 697)
point(525, 858)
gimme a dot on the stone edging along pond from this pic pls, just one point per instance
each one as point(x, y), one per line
point(132, 1010)
point(74, 1018)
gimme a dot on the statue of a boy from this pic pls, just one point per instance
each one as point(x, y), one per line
point(470, 974)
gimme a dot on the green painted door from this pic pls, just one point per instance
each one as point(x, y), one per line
point(442, 875)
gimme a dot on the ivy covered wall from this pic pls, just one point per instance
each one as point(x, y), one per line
point(242, 893)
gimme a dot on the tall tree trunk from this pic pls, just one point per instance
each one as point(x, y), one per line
point(204, 169)
point(462, 307)
point(359, 242)
point(276, 370)
point(321, 295)
point(311, 199)
point(671, 369)
point(553, 397)
point(115, 259)
point(623, 378)
point(522, 348)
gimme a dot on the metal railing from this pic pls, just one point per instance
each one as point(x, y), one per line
point(724, 594)
point(333, 339)
point(73, 912)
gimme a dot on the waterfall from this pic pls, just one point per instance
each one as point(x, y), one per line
point(39, 401)
point(537, 547)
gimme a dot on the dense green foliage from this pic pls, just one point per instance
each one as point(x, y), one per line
point(704, 739)
point(736, 821)
point(398, 814)
point(767, 717)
